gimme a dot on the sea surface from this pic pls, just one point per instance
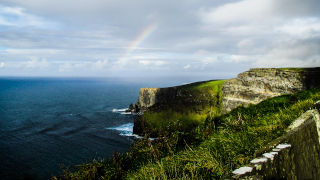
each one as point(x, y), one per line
point(49, 123)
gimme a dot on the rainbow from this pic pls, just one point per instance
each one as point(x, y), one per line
point(147, 31)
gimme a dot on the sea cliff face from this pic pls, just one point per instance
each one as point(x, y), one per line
point(170, 96)
point(151, 96)
point(176, 108)
point(256, 85)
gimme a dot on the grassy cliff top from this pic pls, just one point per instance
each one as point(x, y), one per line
point(213, 84)
point(293, 69)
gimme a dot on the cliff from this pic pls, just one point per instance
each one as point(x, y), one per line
point(256, 85)
point(209, 99)
point(189, 94)
point(250, 87)
point(177, 108)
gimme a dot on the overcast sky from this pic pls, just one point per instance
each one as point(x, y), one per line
point(116, 38)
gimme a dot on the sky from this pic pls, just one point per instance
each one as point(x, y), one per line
point(146, 38)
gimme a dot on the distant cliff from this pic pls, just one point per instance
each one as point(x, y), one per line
point(255, 85)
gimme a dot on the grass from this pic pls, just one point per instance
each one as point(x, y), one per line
point(211, 150)
point(232, 139)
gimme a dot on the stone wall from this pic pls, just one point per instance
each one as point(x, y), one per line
point(256, 85)
point(296, 155)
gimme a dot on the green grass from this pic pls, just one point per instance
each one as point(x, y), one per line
point(215, 86)
point(211, 150)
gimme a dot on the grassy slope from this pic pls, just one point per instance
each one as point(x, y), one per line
point(232, 139)
point(211, 150)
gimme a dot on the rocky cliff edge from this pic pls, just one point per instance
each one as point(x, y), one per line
point(256, 85)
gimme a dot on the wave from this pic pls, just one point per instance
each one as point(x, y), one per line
point(120, 110)
point(127, 130)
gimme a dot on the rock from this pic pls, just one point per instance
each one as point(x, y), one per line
point(151, 96)
point(256, 85)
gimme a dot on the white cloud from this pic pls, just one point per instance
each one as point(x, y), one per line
point(36, 63)
point(86, 66)
point(100, 64)
point(18, 17)
point(152, 62)
point(238, 58)
point(66, 67)
point(237, 12)
point(296, 54)
point(301, 27)
point(187, 66)
point(245, 43)
point(2, 64)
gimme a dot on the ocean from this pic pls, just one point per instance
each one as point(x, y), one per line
point(49, 123)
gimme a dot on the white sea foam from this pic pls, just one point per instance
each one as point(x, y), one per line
point(125, 113)
point(120, 110)
point(127, 130)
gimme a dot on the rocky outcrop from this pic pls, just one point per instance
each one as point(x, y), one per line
point(296, 155)
point(256, 85)
point(151, 96)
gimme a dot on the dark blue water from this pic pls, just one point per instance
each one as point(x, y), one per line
point(46, 123)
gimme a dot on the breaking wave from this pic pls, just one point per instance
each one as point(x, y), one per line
point(120, 110)
point(125, 130)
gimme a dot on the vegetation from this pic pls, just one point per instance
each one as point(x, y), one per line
point(295, 69)
point(210, 150)
point(198, 102)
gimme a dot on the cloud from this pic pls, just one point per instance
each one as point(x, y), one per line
point(259, 11)
point(100, 64)
point(238, 12)
point(151, 63)
point(187, 66)
point(301, 27)
point(2, 64)
point(36, 63)
point(18, 17)
point(66, 67)
point(91, 38)
point(294, 54)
